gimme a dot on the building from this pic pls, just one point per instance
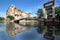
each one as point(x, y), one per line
point(17, 14)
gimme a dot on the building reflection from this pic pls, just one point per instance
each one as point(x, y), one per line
point(47, 31)
point(14, 28)
point(10, 28)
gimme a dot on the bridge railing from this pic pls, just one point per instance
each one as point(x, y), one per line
point(53, 22)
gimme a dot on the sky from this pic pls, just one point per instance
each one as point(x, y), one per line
point(30, 6)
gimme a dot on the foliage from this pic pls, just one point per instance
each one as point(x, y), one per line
point(34, 17)
point(10, 17)
point(40, 13)
point(1, 18)
point(57, 11)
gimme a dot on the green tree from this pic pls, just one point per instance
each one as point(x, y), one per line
point(10, 17)
point(57, 12)
point(1, 18)
point(40, 13)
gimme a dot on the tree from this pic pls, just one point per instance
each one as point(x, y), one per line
point(1, 18)
point(10, 17)
point(57, 12)
point(40, 13)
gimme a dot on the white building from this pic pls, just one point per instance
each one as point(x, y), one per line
point(17, 14)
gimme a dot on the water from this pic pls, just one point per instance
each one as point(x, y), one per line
point(26, 32)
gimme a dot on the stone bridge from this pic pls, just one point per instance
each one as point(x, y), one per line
point(17, 21)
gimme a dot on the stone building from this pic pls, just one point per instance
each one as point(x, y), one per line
point(17, 14)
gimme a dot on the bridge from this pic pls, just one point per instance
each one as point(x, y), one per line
point(30, 19)
point(47, 22)
point(17, 21)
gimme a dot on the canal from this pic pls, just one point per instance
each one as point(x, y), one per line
point(14, 31)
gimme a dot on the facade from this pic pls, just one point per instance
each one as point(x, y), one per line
point(17, 14)
point(49, 10)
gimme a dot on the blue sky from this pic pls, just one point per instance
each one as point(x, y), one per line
point(24, 5)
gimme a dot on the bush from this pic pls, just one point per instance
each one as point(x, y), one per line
point(1, 18)
point(10, 17)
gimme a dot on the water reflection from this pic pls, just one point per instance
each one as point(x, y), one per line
point(29, 32)
point(14, 28)
point(1, 27)
point(40, 27)
point(49, 32)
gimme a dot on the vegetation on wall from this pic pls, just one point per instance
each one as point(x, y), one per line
point(10, 17)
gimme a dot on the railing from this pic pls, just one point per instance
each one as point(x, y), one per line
point(47, 22)
point(52, 22)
